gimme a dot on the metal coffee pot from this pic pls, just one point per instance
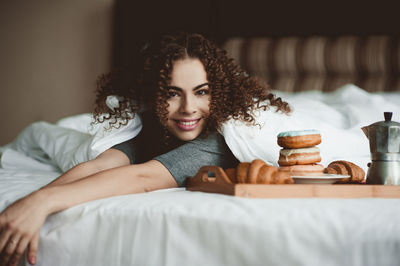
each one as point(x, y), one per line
point(384, 144)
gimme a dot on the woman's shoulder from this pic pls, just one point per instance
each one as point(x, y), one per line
point(213, 140)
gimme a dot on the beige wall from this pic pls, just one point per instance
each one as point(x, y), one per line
point(51, 52)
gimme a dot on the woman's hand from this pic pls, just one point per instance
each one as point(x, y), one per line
point(20, 225)
point(21, 221)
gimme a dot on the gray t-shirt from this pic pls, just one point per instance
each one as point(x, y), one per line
point(185, 160)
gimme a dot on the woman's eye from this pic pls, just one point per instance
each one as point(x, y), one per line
point(172, 94)
point(202, 92)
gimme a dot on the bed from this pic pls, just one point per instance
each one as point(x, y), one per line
point(181, 227)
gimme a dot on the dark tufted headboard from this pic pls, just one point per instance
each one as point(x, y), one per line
point(320, 62)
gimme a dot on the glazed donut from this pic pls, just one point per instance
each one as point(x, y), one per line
point(355, 172)
point(299, 139)
point(299, 156)
point(301, 170)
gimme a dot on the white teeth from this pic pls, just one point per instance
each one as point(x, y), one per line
point(188, 123)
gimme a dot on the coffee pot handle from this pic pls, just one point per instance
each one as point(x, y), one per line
point(388, 116)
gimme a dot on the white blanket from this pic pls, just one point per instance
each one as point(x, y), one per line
point(178, 227)
point(70, 141)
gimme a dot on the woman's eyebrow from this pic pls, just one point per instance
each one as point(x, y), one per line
point(195, 88)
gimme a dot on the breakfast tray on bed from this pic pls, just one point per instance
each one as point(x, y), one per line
point(220, 183)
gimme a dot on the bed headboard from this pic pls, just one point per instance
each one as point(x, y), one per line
point(320, 62)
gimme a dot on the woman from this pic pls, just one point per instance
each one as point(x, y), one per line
point(183, 87)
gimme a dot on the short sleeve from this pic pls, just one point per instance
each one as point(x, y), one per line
point(128, 147)
point(186, 160)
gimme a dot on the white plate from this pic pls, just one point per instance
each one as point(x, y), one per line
point(318, 179)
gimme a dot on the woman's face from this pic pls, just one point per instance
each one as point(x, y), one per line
point(189, 99)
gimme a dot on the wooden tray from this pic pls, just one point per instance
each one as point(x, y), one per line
point(220, 183)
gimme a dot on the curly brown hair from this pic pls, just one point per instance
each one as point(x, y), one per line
point(234, 94)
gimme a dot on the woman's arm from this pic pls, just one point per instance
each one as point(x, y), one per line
point(136, 178)
point(21, 221)
point(110, 158)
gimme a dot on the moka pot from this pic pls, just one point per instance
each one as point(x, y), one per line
point(384, 144)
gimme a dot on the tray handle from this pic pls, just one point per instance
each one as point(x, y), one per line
point(218, 171)
point(203, 182)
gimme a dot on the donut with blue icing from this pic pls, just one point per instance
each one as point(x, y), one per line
point(299, 139)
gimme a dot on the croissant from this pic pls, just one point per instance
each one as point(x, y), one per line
point(258, 172)
point(355, 172)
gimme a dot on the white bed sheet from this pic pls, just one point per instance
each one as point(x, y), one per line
point(179, 227)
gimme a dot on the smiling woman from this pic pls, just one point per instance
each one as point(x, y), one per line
point(189, 102)
point(183, 87)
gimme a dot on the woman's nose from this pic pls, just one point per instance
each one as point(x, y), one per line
point(188, 105)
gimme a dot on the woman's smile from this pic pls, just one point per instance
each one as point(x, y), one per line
point(187, 124)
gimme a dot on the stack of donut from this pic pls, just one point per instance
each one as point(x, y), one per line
point(258, 172)
point(299, 154)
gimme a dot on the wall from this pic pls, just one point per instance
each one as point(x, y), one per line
point(51, 52)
